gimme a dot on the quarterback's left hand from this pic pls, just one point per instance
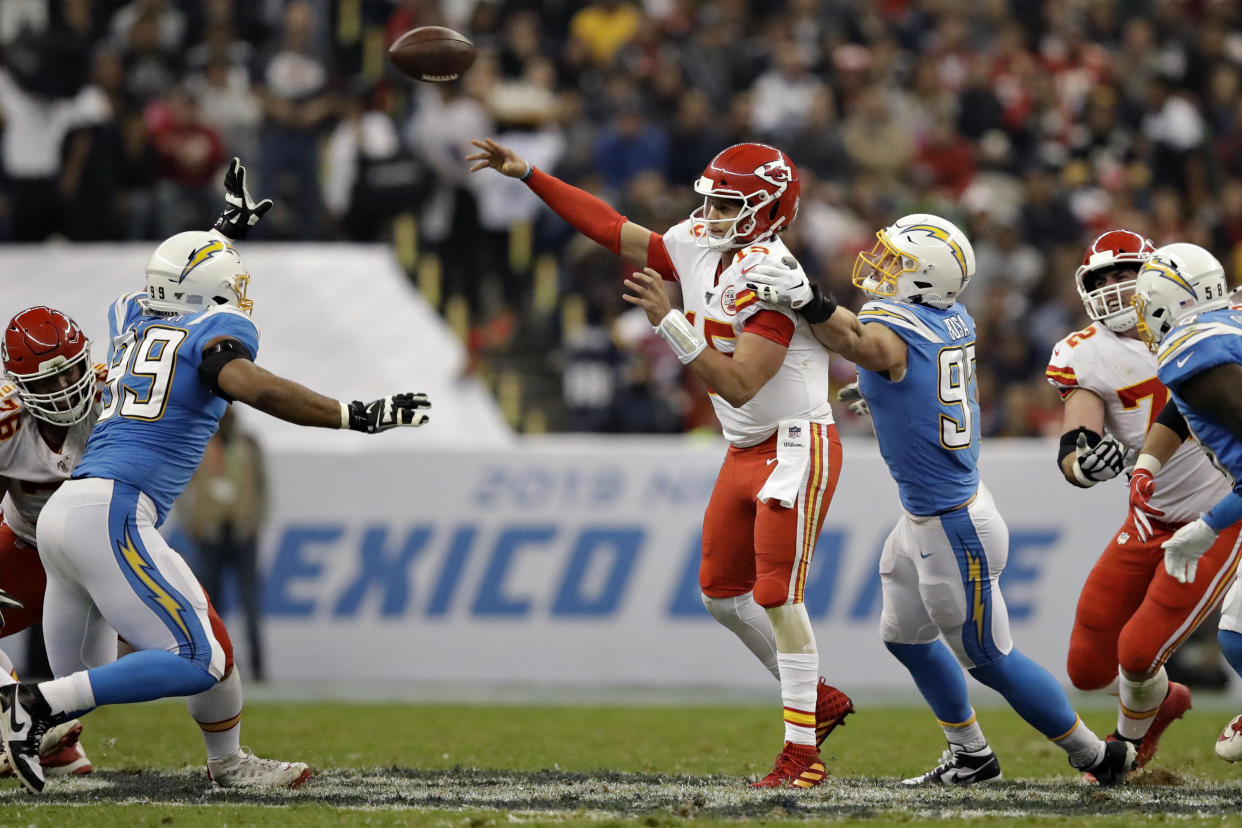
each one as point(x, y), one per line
point(779, 283)
point(649, 294)
point(7, 600)
point(242, 212)
point(1183, 550)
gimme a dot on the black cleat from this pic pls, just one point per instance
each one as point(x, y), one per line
point(1120, 757)
point(961, 767)
point(24, 717)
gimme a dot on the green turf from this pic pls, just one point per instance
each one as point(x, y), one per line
point(391, 764)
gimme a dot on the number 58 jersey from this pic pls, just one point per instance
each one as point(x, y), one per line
point(1122, 373)
point(927, 422)
point(157, 413)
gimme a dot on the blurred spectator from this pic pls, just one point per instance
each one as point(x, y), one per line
point(189, 154)
point(296, 78)
point(604, 27)
point(784, 94)
point(631, 145)
point(223, 510)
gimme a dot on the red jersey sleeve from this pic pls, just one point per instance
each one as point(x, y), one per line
point(772, 325)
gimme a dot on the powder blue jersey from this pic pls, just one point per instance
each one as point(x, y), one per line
point(157, 413)
point(1209, 339)
point(928, 422)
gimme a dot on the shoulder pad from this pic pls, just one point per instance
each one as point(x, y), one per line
point(1184, 340)
point(899, 316)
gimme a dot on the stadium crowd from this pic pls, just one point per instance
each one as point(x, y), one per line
point(1035, 126)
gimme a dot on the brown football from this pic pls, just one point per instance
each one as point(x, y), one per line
point(433, 54)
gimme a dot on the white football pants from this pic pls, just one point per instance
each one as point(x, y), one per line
point(940, 576)
point(108, 573)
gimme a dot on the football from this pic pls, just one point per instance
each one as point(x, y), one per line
point(433, 54)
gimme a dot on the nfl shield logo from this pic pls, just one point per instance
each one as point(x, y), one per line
point(795, 432)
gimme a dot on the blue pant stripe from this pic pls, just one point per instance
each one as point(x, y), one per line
point(968, 550)
point(148, 583)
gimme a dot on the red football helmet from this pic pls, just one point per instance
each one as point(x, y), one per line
point(1110, 304)
point(763, 179)
point(47, 357)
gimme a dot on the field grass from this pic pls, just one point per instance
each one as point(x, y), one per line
point(481, 765)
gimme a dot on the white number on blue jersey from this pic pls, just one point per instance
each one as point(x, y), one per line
point(141, 373)
point(956, 370)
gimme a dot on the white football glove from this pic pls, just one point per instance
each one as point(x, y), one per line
point(782, 283)
point(852, 395)
point(1103, 461)
point(8, 600)
point(389, 412)
point(1183, 551)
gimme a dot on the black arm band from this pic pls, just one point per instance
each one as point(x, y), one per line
point(1172, 419)
point(1069, 442)
point(215, 357)
point(819, 308)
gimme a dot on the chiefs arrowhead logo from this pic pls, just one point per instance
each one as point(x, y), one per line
point(775, 172)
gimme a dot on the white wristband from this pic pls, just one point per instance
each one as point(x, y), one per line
point(344, 415)
point(676, 330)
point(1148, 462)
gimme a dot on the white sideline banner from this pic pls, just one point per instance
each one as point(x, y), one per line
point(576, 560)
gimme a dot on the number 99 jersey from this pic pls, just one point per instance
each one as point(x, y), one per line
point(927, 423)
point(157, 413)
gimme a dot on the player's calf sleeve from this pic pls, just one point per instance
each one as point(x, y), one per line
point(748, 622)
point(218, 712)
point(1139, 702)
point(1231, 647)
point(147, 675)
point(791, 625)
point(939, 678)
point(1031, 691)
point(799, 669)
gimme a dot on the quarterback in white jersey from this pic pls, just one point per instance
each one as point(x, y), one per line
point(768, 380)
point(1131, 614)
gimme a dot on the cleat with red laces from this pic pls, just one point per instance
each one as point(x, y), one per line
point(831, 708)
point(1176, 703)
point(1229, 743)
point(797, 766)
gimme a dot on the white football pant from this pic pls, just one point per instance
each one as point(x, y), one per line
point(940, 576)
point(110, 573)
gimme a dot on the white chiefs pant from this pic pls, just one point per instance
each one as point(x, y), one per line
point(110, 573)
point(940, 576)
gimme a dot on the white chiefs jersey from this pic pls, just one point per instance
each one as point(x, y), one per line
point(717, 302)
point(1122, 373)
point(31, 470)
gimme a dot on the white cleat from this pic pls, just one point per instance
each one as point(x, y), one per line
point(960, 767)
point(1229, 743)
point(245, 770)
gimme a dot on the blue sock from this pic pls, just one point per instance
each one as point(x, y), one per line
point(1231, 646)
point(1031, 691)
point(147, 675)
point(938, 676)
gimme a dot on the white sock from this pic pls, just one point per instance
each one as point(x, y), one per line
point(71, 694)
point(218, 712)
point(749, 622)
point(799, 676)
point(8, 675)
point(1139, 702)
point(967, 735)
point(1084, 747)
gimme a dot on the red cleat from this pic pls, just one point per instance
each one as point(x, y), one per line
point(1176, 703)
point(60, 755)
point(797, 766)
point(831, 708)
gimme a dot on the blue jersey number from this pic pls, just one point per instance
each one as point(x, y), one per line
point(956, 369)
point(141, 373)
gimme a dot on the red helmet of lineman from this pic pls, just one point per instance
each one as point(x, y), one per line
point(47, 356)
point(1114, 250)
point(763, 179)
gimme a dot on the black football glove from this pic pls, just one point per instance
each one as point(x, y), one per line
point(242, 211)
point(389, 412)
point(7, 600)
